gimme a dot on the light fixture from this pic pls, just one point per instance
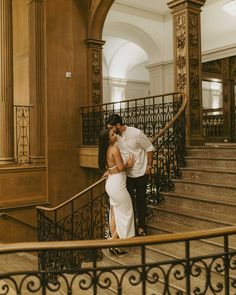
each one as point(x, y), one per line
point(230, 7)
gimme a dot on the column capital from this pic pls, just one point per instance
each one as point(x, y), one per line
point(177, 4)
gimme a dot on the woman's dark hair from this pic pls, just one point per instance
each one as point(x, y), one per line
point(102, 150)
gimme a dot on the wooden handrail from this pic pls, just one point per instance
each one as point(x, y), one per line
point(72, 198)
point(134, 99)
point(131, 242)
point(168, 125)
point(102, 179)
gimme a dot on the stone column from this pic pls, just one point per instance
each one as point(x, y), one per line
point(6, 84)
point(95, 70)
point(187, 59)
point(37, 80)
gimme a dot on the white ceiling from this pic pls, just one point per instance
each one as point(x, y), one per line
point(158, 6)
point(138, 32)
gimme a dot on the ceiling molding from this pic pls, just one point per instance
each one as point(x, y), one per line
point(140, 12)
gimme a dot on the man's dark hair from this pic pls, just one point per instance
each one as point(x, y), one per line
point(114, 119)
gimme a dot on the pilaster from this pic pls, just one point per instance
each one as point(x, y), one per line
point(187, 63)
point(95, 70)
point(37, 81)
point(6, 84)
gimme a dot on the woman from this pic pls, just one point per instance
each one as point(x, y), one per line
point(122, 215)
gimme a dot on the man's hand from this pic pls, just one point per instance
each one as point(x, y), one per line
point(149, 169)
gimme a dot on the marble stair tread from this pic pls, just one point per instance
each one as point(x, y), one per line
point(209, 169)
point(198, 247)
point(219, 185)
point(221, 213)
point(220, 219)
point(222, 200)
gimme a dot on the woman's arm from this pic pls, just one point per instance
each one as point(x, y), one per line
point(119, 160)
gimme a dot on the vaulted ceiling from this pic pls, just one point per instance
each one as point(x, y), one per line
point(139, 33)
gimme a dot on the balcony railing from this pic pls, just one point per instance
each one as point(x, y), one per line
point(213, 124)
point(150, 114)
point(192, 267)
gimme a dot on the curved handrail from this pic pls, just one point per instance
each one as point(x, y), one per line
point(168, 125)
point(72, 198)
point(134, 99)
point(131, 242)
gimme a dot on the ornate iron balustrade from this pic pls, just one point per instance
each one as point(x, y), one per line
point(22, 131)
point(170, 151)
point(150, 114)
point(213, 123)
point(194, 269)
point(82, 217)
point(157, 117)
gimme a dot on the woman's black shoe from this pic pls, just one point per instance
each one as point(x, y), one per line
point(141, 232)
point(116, 251)
point(120, 252)
point(113, 251)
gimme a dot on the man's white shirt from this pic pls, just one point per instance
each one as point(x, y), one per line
point(134, 142)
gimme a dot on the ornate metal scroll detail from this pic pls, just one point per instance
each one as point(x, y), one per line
point(84, 223)
point(208, 274)
point(22, 128)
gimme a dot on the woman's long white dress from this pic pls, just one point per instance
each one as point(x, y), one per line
point(121, 202)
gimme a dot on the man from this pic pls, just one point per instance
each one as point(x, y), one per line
point(132, 141)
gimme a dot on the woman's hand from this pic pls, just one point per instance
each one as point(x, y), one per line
point(106, 174)
point(130, 162)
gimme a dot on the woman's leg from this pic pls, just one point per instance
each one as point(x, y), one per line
point(113, 230)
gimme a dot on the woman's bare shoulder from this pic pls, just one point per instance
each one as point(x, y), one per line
point(114, 149)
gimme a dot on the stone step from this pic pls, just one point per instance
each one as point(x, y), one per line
point(184, 218)
point(212, 175)
point(202, 205)
point(206, 246)
point(208, 189)
point(213, 151)
point(219, 163)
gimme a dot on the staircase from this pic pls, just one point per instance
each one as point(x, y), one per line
point(205, 196)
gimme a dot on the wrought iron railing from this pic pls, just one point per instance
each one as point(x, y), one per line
point(213, 124)
point(22, 134)
point(82, 217)
point(150, 114)
point(192, 268)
